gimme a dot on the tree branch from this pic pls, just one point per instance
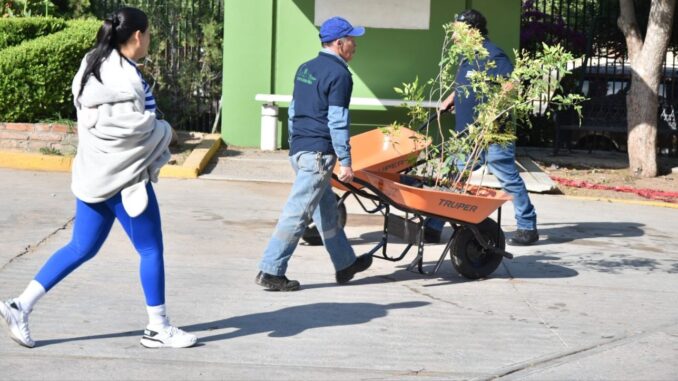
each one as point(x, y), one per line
point(658, 34)
point(629, 26)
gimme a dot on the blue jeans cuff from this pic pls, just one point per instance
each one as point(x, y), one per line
point(272, 270)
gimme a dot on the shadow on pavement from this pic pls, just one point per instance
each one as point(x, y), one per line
point(291, 321)
point(526, 267)
point(521, 267)
point(571, 231)
point(550, 233)
point(285, 322)
point(535, 267)
point(43, 343)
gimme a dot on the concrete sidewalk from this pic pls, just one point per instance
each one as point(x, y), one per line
point(597, 298)
point(251, 164)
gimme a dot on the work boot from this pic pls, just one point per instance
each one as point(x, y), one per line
point(276, 283)
point(361, 263)
point(523, 237)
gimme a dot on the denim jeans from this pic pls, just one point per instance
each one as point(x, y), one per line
point(501, 162)
point(311, 197)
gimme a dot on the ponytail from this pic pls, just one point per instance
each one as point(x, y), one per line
point(115, 31)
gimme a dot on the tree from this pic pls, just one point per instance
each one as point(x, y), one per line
point(646, 54)
point(506, 102)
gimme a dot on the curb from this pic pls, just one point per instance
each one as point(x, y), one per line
point(625, 201)
point(190, 169)
point(196, 161)
point(35, 161)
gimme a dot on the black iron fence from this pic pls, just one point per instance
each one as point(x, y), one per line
point(185, 62)
point(602, 72)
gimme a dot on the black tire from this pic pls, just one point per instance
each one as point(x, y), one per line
point(469, 257)
point(311, 235)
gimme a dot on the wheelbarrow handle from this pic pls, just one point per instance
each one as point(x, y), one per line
point(432, 116)
point(356, 180)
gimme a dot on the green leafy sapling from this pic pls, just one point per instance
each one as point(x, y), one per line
point(506, 101)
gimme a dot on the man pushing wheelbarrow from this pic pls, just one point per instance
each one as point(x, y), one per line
point(497, 99)
point(319, 136)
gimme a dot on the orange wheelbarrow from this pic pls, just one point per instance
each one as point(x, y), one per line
point(373, 151)
point(476, 247)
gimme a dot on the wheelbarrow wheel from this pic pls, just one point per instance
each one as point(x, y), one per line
point(469, 257)
point(312, 236)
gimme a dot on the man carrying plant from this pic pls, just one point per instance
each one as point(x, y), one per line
point(499, 158)
point(319, 136)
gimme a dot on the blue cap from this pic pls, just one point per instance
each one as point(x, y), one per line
point(337, 27)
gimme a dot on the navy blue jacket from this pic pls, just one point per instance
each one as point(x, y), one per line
point(464, 107)
point(321, 85)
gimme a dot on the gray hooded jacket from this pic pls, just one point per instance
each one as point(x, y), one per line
point(119, 143)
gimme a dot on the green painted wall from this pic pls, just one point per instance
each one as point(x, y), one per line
point(248, 43)
point(385, 57)
point(503, 22)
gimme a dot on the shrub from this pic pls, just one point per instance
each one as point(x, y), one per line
point(36, 75)
point(15, 30)
point(26, 8)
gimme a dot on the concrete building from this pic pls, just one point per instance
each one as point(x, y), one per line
point(266, 40)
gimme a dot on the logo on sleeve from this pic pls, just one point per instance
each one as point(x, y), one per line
point(306, 77)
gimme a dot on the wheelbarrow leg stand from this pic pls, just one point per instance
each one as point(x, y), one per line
point(383, 243)
point(418, 261)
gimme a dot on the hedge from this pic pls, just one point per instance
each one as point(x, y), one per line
point(36, 75)
point(15, 30)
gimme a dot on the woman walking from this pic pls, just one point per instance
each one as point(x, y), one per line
point(122, 146)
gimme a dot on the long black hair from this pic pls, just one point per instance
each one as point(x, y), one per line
point(115, 31)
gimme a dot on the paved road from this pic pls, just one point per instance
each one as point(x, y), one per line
point(596, 299)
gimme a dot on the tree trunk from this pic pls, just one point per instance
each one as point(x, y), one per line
point(646, 59)
point(641, 105)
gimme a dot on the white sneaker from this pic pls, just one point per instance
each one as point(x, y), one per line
point(17, 323)
point(167, 337)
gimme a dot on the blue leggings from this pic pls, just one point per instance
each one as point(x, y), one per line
point(93, 222)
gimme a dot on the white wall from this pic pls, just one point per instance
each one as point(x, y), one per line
point(387, 14)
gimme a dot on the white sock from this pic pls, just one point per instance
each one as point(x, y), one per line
point(33, 292)
point(157, 316)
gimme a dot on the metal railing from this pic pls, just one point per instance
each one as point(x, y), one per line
point(603, 69)
point(183, 67)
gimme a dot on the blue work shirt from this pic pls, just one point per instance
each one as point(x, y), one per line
point(319, 119)
point(464, 106)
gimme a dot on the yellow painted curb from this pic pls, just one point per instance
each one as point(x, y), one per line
point(35, 161)
point(196, 161)
point(626, 201)
point(191, 168)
